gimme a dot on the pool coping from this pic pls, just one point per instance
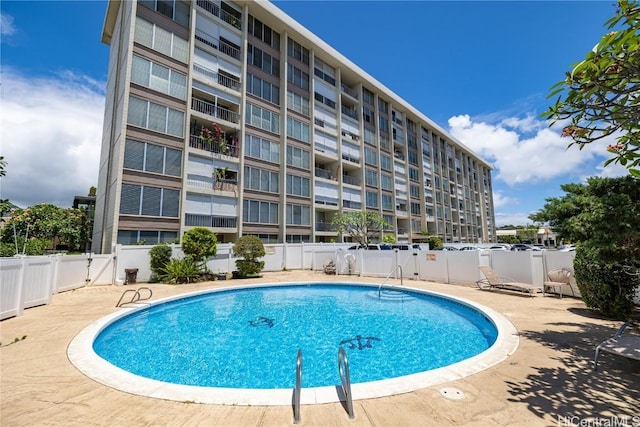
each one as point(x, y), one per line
point(81, 354)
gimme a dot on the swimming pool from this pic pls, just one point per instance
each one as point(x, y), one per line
point(246, 339)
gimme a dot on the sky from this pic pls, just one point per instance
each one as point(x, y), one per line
point(481, 70)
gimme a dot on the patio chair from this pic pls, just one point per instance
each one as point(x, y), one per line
point(558, 278)
point(492, 282)
point(329, 266)
point(621, 345)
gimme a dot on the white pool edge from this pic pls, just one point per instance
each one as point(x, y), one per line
point(81, 354)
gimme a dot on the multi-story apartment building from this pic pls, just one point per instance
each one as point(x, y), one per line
point(233, 116)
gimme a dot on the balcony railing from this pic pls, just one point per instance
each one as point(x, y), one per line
point(220, 45)
point(324, 226)
point(196, 220)
point(323, 173)
point(217, 77)
point(351, 180)
point(228, 149)
point(350, 112)
point(355, 158)
point(351, 204)
point(214, 110)
point(215, 10)
point(346, 89)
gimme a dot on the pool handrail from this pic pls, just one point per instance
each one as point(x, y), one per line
point(345, 379)
point(396, 268)
point(298, 389)
point(136, 296)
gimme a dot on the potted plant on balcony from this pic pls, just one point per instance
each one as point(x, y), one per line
point(214, 139)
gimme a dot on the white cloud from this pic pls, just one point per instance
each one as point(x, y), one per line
point(6, 25)
point(499, 200)
point(525, 150)
point(51, 129)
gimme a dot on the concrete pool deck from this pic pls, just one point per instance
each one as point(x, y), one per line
point(548, 380)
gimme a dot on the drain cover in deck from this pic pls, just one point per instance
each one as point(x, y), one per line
point(451, 393)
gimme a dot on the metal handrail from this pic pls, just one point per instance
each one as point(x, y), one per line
point(136, 296)
point(345, 379)
point(398, 267)
point(298, 389)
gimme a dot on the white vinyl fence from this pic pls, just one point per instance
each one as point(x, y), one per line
point(29, 281)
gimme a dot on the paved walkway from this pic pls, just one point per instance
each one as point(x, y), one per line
point(548, 381)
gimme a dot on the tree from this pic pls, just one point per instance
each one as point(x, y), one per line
point(199, 243)
point(604, 216)
point(3, 165)
point(250, 248)
point(602, 93)
point(46, 221)
point(361, 226)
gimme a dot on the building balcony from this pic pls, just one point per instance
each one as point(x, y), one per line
point(211, 221)
point(349, 204)
point(348, 91)
point(224, 148)
point(324, 226)
point(323, 173)
point(216, 11)
point(213, 110)
point(350, 112)
point(219, 44)
point(351, 180)
point(215, 76)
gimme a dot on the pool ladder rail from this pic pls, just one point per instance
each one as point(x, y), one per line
point(345, 379)
point(136, 296)
point(398, 267)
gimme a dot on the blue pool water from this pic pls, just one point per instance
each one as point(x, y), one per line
point(249, 337)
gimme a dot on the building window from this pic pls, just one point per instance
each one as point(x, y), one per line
point(263, 118)
point(383, 106)
point(152, 158)
point(367, 96)
point(298, 186)
point(371, 177)
point(386, 182)
point(324, 100)
point(325, 72)
point(370, 157)
point(158, 77)
point(385, 162)
point(298, 157)
point(264, 32)
point(156, 117)
point(149, 201)
point(368, 115)
point(297, 51)
point(371, 199)
point(262, 60)
point(414, 175)
point(298, 130)
point(262, 149)
point(261, 180)
point(295, 238)
point(387, 202)
point(297, 77)
point(148, 237)
point(174, 9)
point(298, 215)
point(259, 212)
point(263, 89)
point(298, 103)
point(161, 40)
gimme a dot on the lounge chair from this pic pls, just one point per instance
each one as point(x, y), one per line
point(558, 278)
point(493, 282)
point(622, 345)
point(329, 266)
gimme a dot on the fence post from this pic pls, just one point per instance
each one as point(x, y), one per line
point(55, 274)
point(20, 293)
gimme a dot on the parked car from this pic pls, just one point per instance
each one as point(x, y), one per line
point(524, 247)
point(500, 248)
point(406, 247)
point(372, 247)
point(445, 248)
point(566, 248)
point(469, 248)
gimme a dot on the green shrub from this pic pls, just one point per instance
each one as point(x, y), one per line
point(33, 247)
point(250, 248)
point(181, 270)
point(434, 242)
point(199, 243)
point(159, 257)
point(604, 284)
